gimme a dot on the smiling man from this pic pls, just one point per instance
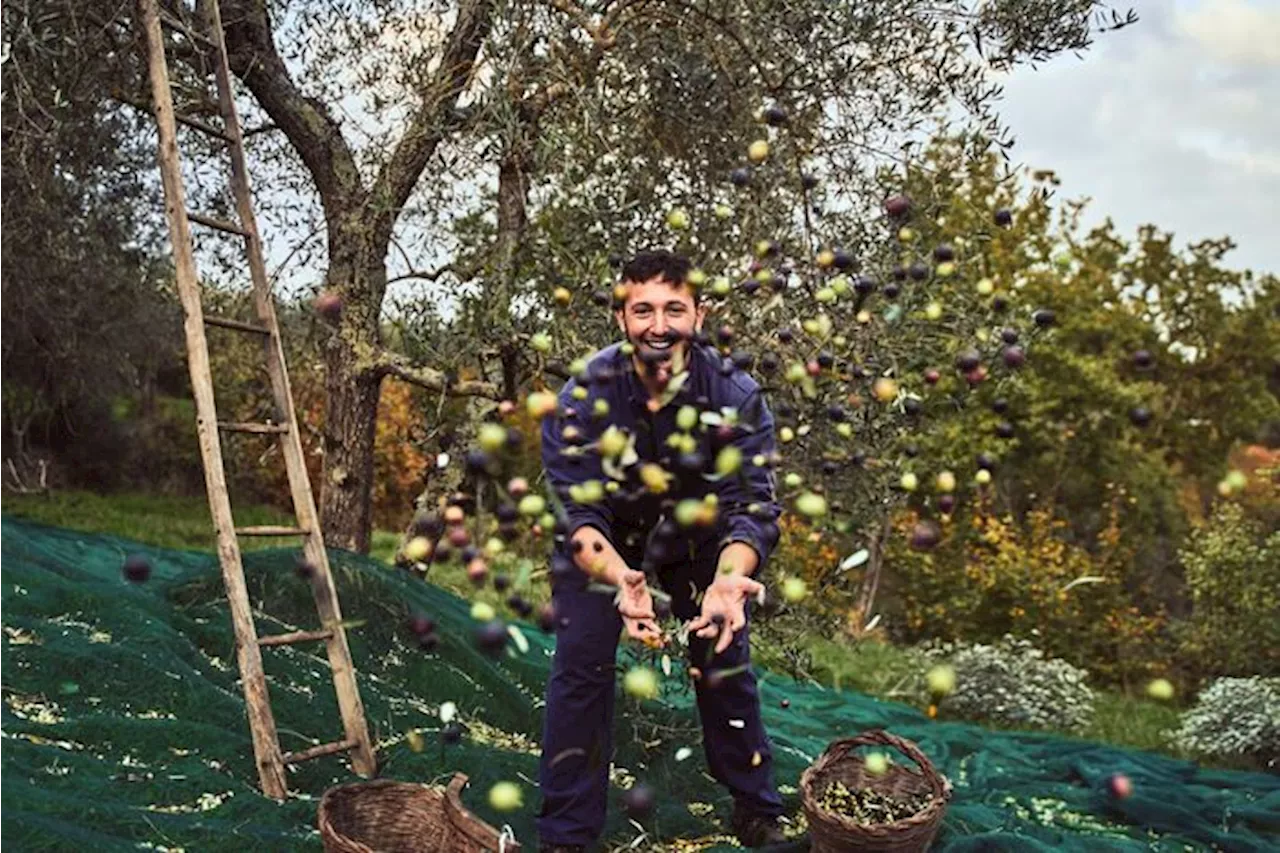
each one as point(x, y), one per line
point(646, 439)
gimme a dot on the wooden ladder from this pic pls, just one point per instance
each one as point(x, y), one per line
point(208, 38)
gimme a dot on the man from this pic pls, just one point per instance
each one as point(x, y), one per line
point(630, 532)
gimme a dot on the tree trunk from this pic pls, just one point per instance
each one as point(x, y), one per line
point(350, 422)
point(352, 390)
point(513, 221)
point(871, 580)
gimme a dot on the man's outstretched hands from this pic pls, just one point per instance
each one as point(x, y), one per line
point(724, 608)
point(635, 603)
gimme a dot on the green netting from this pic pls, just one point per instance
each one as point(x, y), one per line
point(124, 727)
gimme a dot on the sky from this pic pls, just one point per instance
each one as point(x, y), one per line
point(1174, 121)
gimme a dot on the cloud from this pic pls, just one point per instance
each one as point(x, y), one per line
point(1234, 31)
point(1171, 122)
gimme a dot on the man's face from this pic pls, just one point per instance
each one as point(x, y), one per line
point(659, 319)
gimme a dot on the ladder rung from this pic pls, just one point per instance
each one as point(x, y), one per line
point(260, 429)
point(294, 637)
point(228, 323)
point(219, 224)
point(203, 127)
point(271, 530)
point(317, 751)
point(179, 27)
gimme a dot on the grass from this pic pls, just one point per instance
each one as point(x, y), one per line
point(877, 669)
point(161, 520)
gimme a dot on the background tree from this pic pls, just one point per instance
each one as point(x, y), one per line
point(87, 316)
point(1110, 449)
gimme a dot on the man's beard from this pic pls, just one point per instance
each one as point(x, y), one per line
point(661, 366)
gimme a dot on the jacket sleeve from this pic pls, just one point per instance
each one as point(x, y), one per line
point(748, 501)
point(567, 463)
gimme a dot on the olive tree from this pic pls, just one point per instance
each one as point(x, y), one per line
point(428, 142)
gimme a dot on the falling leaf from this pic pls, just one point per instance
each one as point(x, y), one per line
point(415, 740)
point(1083, 579)
point(518, 636)
point(854, 560)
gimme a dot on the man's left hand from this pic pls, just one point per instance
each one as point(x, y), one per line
point(726, 598)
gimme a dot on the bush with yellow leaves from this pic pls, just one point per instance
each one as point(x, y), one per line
point(992, 576)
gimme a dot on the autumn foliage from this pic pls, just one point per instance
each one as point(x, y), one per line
point(993, 575)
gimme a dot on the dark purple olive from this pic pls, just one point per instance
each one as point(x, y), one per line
point(137, 569)
point(925, 535)
point(638, 801)
point(968, 360)
point(491, 637)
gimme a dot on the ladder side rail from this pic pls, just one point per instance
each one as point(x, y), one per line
point(262, 725)
point(350, 705)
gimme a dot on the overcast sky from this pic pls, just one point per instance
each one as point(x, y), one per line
point(1173, 121)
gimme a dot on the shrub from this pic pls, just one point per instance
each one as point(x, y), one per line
point(1260, 497)
point(1233, 578)
point(1014, 683)
point(814, 557)
point(1235, 717)
point(994, 575)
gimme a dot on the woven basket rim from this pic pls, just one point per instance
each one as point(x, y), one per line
point(838, 751)
point(326, 807)
point(447, 796)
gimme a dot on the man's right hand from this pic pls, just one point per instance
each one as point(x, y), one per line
point(635, 603)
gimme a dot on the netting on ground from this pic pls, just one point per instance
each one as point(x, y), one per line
point(124, 725)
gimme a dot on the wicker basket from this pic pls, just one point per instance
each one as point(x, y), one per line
point(835, 833)
point(385, 816)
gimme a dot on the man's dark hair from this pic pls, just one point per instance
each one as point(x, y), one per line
point(644, 266)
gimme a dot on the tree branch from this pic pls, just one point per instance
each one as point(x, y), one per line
point(306, 122)
point(462, 273)
point(600, 33)
point(422, 275)
point(436, 115)
point(388, 363)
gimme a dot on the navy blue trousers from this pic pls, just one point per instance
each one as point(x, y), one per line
point(577, 740)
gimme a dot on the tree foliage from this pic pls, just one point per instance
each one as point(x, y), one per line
point(1233, 578)
point(391, 116)
point(87, 315)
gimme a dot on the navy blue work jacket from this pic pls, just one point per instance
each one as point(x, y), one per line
point(748, 509)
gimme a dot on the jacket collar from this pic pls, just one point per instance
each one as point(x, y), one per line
point(700, 363)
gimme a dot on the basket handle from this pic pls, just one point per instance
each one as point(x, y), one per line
point(468, 825)
point(843, 746)
point(455, 788)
